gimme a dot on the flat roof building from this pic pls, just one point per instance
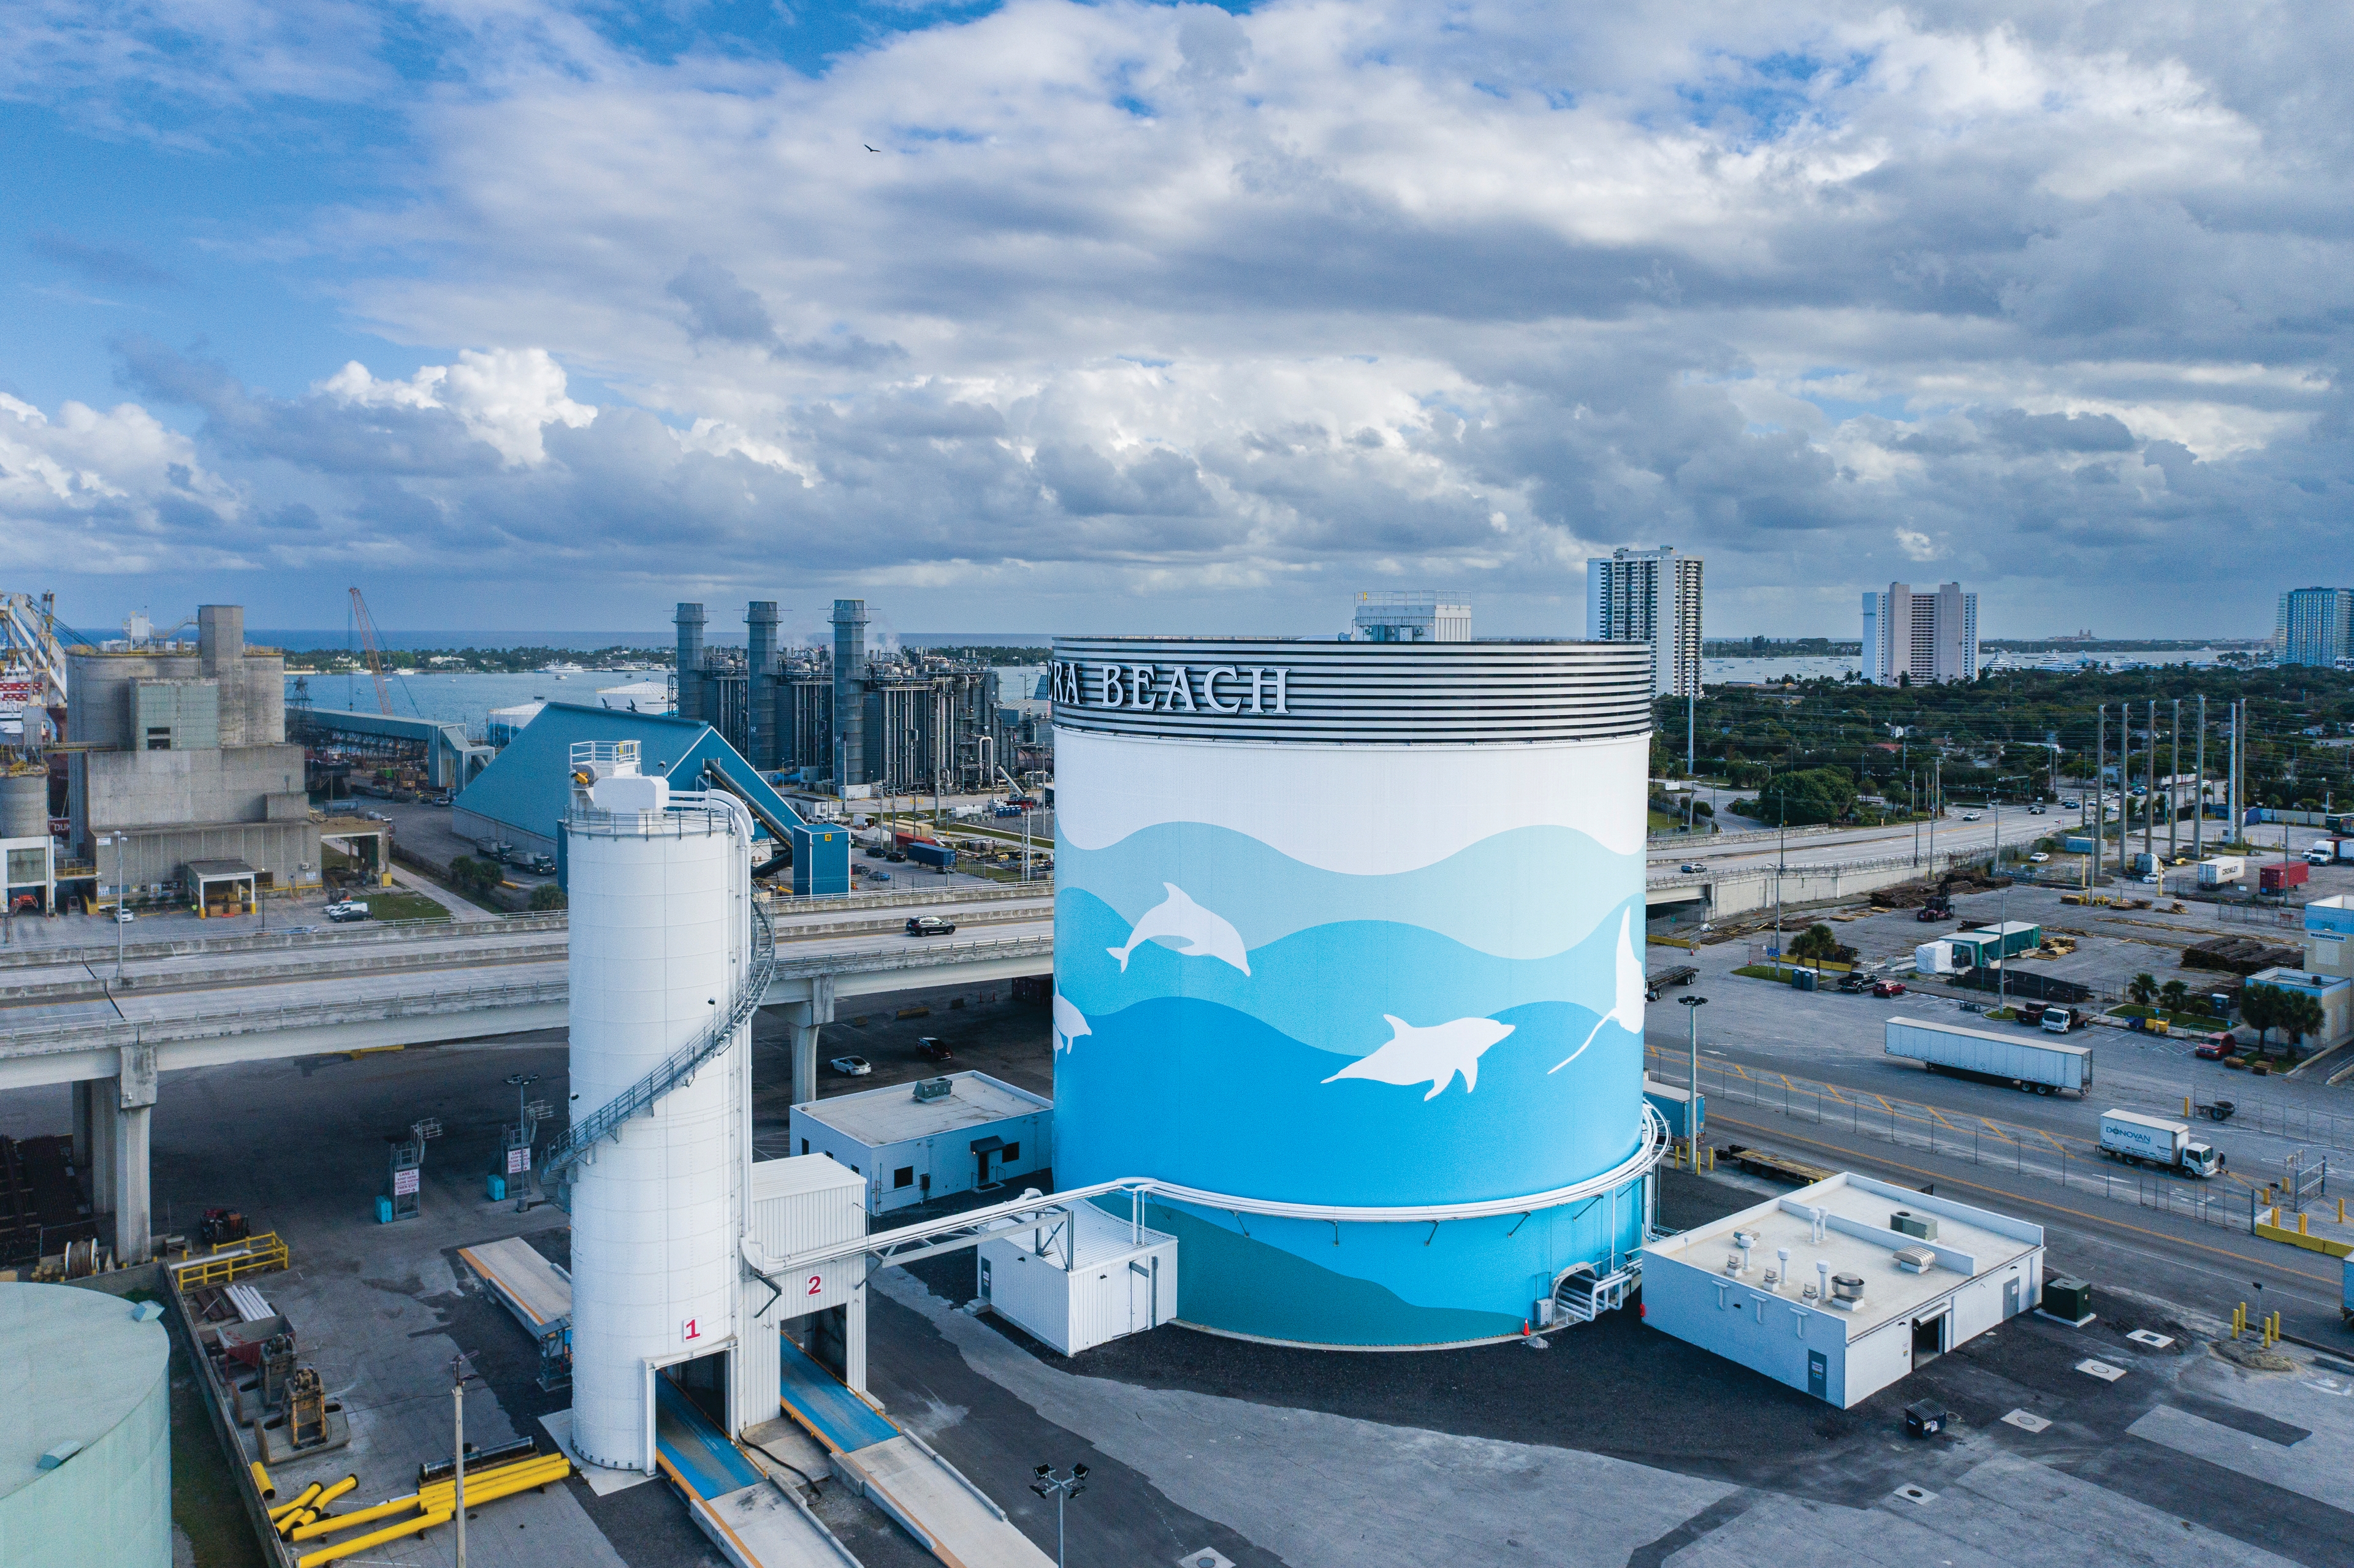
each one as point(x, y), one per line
point(916, 1142)
point(1842, 1287)
point(1650, 597)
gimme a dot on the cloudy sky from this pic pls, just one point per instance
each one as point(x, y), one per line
point(1036, 315)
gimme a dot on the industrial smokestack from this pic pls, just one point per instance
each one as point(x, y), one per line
point(849, 692)
point(690, 661)
point(760, 681)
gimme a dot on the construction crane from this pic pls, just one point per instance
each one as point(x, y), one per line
point(373, 649)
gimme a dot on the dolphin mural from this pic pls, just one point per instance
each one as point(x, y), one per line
point(1069, 1024)
point(1433, 1055)
point(1185, 925)
point(1628, 1009)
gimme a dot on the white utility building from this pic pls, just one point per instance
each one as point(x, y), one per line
point(1072, 1287)
point(1842, 1287)
point(915, 1142)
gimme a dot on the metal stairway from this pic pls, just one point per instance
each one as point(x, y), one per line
point(578, 1142)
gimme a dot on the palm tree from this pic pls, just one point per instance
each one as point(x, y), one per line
point(2143, 989)
point(2173, 995)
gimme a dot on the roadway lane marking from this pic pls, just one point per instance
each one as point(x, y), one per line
point(1776, 1134)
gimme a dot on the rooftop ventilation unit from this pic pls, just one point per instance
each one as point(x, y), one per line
point(1919, 1227)
point(1915, 1259)
point(934, 1088)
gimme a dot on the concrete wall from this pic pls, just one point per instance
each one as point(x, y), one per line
point(109, 789)
point(253, 705)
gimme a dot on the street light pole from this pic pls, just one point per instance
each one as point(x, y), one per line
point(458, 1451)
point(1061, 1488)
point(1692, 1004)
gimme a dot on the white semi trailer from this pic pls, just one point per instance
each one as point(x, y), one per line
point(2140, 1139)
point(2035, 1066)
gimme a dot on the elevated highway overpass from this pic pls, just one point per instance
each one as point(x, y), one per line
point(65, 1017)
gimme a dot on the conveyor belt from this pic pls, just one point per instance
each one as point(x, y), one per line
point(705, 1460)
point(536, 1291)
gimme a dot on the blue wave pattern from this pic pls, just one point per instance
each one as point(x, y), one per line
point(1201, 1074)
point(1522, 893)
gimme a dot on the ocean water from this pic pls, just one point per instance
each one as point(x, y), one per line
point(462, 698)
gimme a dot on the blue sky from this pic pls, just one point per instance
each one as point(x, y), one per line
point(1169, 317)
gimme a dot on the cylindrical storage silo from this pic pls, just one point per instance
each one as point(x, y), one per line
point(24, 805)
point(659, 902)
point(86, 1451)
point(1351, 932)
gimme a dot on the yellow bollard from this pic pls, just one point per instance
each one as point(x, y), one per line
point(2341, 1211)
point(2185, 1105)
point(2301, 1227)
point(268, 1489)
point(2239, 1319)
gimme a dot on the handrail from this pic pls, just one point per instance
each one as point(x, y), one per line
point(681, 1065)
point(1027, 1212)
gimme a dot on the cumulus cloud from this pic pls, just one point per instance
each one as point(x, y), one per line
point(1246, 311)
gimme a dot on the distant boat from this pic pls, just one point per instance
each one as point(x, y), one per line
point(559, 670)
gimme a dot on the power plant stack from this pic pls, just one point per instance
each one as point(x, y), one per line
point(661, 945)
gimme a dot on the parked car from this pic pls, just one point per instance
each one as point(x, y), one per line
point(1853, 983)
point(930, 926)
point(851, 1066)
point(878, 877)
point(1969, 816)
point(2209, 1051)
point(873, 852)
point(2070, 805)
point(2152, 879)
point(124, 916)
point(1887, 987)
point(2038, 858)
point(932, 1048)
point(344, 910)
point(896, 855)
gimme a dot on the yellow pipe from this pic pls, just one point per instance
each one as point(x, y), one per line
point(345, 1521)
point(332, 1493)
point(441, 1496)
point(390, 1532)
point(499, 1484)
point(269, 1489)
point(318, 1507)
point(304, 1502)
point(299, 1517)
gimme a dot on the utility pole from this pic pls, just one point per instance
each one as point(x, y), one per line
point(2149, 788)
point(2174, 780)
point(1936, 806)
point(2198, 807)
point(458, 1451)
point(2100, 799)
point(1692, 1004)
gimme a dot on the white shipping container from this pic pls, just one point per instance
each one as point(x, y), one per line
point(2218, 870)
point(2021, 1061)
point(1120, 1281)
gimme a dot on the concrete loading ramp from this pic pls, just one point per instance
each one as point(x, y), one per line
point(899, 1473)
point(752, 1520)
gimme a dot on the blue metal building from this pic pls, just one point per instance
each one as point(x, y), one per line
point(523, 795)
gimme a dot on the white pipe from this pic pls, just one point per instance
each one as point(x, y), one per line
point(1822, 1282)
point(1781, 1272)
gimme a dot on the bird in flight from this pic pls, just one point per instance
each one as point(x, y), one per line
point(870, 149)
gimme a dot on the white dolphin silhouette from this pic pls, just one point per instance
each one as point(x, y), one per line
point(1432, 1056)
point(1628, 1009)
point(1189, 928)
point(1070, 1022)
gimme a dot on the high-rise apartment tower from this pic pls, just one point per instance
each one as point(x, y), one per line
point(1919, 638)
point(1650, 596)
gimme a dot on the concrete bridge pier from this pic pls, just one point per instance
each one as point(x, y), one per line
point(808, 1018)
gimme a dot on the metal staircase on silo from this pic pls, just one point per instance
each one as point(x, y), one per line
point(578, 1146)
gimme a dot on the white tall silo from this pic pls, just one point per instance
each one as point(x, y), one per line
point(660, 891)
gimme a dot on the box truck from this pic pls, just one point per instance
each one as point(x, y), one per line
point(1939, 959)
point(2153, 1141)
point(2221, 870)
point(2035, 1067)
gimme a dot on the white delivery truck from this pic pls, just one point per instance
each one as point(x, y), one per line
point(1939, 957)
point(2153, 1141)
point(2221, 870)
point(2035, 1067)
point(2321, 852)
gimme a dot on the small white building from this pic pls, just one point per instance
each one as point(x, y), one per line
point(1842, 1287)
point(1109, 1277)
point(914, 1142)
